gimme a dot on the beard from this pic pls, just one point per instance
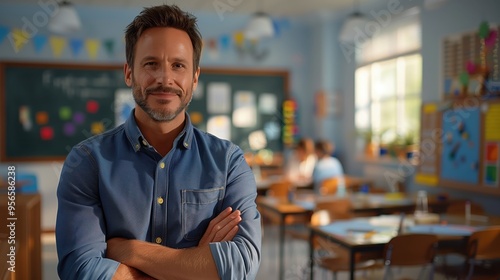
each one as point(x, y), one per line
point(162, 114)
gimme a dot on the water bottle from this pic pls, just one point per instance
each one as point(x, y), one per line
point(341, 186)
point(421, 207)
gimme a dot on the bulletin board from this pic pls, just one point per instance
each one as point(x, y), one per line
point(48, 108)
point(462, 150)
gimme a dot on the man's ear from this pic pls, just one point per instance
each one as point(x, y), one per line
point(127, 71)
point(195, 79)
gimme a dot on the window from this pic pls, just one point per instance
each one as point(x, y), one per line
point(388, 83)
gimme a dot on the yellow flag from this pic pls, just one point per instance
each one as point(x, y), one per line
point(57, 44)
point(18, 39)
point(92, 46)
point(239, 38)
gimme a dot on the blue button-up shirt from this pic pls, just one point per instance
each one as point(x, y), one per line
point(116, 185)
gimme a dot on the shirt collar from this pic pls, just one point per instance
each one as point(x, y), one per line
point(137, 140)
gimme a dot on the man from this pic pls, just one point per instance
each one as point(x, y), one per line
point(156, 198)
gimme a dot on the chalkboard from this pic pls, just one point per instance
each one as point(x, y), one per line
point(248, 100)
point(48, 108)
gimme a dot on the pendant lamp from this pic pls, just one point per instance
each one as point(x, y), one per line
point(66, 19)
point(354, 24)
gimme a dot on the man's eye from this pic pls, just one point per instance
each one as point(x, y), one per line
point(179, 65)
point(150, 63)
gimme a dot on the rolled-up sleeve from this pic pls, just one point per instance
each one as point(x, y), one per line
point(240, 258)
point(80, 228)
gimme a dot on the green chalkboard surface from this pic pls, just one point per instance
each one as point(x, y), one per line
point(48, 108)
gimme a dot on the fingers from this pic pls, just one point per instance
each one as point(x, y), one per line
point(223, 227)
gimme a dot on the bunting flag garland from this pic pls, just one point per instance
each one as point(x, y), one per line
point(57, 44)
point(39, 42)
point(109, 46)
point(3, 33)
point(76, 46)
point(92, 46)
point(19, 39)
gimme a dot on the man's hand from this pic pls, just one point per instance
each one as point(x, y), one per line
point(223, 228)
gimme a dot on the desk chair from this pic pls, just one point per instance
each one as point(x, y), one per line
point(332, 257)
point(410, 250)
point(457, 207)
point(482, 260)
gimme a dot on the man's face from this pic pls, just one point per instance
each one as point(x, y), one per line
point(162, 78)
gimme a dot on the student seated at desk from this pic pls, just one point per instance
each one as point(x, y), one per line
point(327, 166)
point(301, 164)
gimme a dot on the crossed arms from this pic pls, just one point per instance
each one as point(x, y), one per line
point(144, 260)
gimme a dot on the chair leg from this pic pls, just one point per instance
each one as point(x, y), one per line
point(387, 272)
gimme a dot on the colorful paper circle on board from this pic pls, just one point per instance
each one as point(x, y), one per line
point(46, 133)
point(79, 118)
point(96, 128)
point(65, 113)
point(69, 129)
point(196, 117)
point(92, 106)
point(42, 118)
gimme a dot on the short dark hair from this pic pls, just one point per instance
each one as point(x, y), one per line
point(324, 147)
point(163, 16)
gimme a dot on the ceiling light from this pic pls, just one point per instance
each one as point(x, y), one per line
point(353, 25)
point(66, 20)
point(260, 26)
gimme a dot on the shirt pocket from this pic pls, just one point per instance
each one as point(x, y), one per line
point(198, 209)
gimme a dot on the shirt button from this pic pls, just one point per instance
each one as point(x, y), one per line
point(158, 240)
point(137, 146)
point(144, 142)
point(162, 165)
point(186, 144)
point(159, 200)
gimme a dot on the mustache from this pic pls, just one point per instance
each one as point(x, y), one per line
point(159, 89)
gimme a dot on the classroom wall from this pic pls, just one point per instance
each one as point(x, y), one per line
point(289, 51)
point(452, 17)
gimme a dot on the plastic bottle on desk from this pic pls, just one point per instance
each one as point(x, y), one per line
point(341, 192)
point(422, 205)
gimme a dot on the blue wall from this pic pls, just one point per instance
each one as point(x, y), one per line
point(307, 47)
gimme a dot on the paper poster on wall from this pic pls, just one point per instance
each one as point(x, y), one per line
point(268, 103)
point(245, 111)
point(220, 126)
point(460, 150)
point(491, 122)
point(218, 98)
point(492, 163)
point(124, 103)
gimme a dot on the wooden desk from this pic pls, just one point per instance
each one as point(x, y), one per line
point(27, 234)
point(351, 234)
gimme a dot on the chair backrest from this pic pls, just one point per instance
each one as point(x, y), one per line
point(411, 249)
point(329, 186)
point(484, 244)
point(458, 208)
point(279, 189)
point(338, 209)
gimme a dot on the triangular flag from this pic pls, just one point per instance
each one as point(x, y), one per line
point(39, 41)
point(19, 39)
point(3, 33)
point(92, 46)
point(76, 46)
point(224, 42)
point(109, 45)
point(239, 38)
point(57, 44)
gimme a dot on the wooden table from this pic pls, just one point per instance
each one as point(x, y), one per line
point(352, 234)
point(303, 206)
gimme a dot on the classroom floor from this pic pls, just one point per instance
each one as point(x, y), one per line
point(296, 253)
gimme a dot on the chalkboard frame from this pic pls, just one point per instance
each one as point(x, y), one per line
point(281, 73)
